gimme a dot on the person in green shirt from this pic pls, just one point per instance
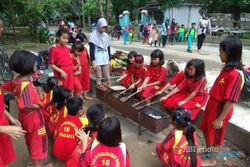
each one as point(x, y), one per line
point(191, 35)
point(181, 33)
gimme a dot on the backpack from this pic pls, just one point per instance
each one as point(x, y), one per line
point(245, 92)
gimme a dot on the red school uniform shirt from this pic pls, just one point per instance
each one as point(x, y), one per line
point(56, 117)
point(60, 56)
point(227, 86)
point(101, 155)
point(65, 136)
point(178, 78)
point(157, 74)
point(190, 85)
point(7, 152)
point(174, 150)
point(138, 73)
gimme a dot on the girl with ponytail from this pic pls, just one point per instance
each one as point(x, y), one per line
point(179, 148)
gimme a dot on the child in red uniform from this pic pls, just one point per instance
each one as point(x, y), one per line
point(60, 60)
point(224, 93)
point(138, 71)
point(84, 62)
point(58, 106)
point(46, 94)
point(95, 115)
point(7, 152)
point(156, 76)
point(76, 51)
point(125, 79)
point(179, 148)
point(107, 149)
point(191, 93)
point(28, 103)
point(65, 135)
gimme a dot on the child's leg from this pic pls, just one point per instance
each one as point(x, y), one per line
point(98, 75)
point(189, 43)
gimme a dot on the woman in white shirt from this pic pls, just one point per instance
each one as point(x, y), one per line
point(99, 43)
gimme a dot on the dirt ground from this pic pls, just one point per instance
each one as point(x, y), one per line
point(140, 147)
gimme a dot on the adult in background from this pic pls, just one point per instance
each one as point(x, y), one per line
point(145, 33)
point(153, 35)
point(6, 73)
point(172, 31)
point(99, 47)
point(141, 30)
point(203, 27)
point(164, 33)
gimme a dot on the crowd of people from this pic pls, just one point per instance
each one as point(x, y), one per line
point(87, 138)
point(152, 34)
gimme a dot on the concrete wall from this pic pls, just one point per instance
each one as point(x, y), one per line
point(183, 15)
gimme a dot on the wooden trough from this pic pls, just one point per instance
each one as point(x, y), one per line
point(150, 118)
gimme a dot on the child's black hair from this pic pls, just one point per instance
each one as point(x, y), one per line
point(95, 115)
point(52, 82)
point(77, 46)
point(182, 118)
point(232, 46)
point(199, 66)
point(109, 132)
point(74, 105)
point(81, 36)
point(22, 62)
point(60, 32)
point(60, 96)
point(157, 53)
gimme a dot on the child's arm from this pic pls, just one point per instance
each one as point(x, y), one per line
point(143, 86)
point(11, 118)
point(189, 97)
point(218, 123)
point(170, 94)
point(13, 131)
point(133, 85)
point(122, 77)
point(162, 90)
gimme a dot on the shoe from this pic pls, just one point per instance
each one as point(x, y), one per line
point(190, 51)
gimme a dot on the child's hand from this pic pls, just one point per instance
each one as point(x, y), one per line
point(217, 124)
point(63, 74)
point(164, 98)
point(181, 103)
point(14, 131)
point(132, 86)
point(14, 121)
point(82, 135)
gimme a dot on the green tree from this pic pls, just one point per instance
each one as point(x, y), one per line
point(229, 6)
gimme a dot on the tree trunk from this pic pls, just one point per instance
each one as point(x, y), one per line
point(13, 20)
point(108, 14)
point(236, 14)
point(83, 16)
point(99, 4)
point(89, 21)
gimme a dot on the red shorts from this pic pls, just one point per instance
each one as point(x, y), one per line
point(194, 105)
point(77, 85)
point(214, 137)
point(36, 137)
point(7, 152)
